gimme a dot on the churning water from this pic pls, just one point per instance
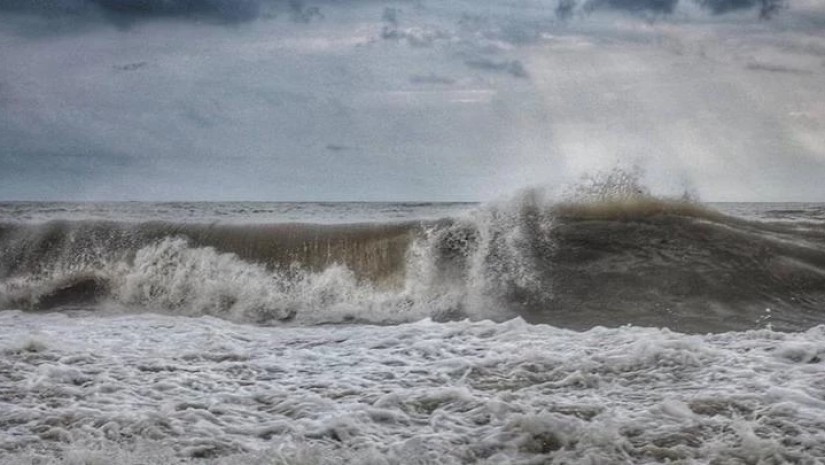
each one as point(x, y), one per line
point(610, 326)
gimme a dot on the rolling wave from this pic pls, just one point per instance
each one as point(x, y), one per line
point(583, 262)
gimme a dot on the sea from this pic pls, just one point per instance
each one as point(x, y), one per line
point(604, 329)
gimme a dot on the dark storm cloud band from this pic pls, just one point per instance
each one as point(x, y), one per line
point(245, 10)
point(766, 7)
point(125, 10)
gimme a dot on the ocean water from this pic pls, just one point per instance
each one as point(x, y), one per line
point(599, 328)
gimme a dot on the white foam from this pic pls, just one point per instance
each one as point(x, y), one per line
point(157, 389)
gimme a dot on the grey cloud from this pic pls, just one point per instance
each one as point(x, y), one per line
point(774, 68)
point(390, 16)
point(127, 11)
point(420, 37)
point(431, 79)
point(635, 6)
point(808, 48)
point(131, 66)
point(565, 8)
point(517, 31)
point(766, 8)
point(512, 67)
point(415, 37)
point(338, 147)
point(301, 13)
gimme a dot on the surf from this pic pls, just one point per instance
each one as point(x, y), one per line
point(608, 253)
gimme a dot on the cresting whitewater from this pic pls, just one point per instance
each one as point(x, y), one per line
point(612, 326)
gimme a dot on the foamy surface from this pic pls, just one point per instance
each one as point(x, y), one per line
point(146, 389)
point(131, 337)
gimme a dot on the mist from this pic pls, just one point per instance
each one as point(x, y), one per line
point(373, 100)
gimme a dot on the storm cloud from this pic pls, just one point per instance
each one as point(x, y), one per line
point(400, 100)
point(124, 12)
point(129, 11)
point(767, 8)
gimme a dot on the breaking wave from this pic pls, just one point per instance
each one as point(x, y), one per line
point(607, 254)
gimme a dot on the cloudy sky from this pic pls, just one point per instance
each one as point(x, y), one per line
point(408, 100)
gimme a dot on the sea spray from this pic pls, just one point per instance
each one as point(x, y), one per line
point(609, 253)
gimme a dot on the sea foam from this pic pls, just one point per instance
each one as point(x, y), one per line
point(164, 389)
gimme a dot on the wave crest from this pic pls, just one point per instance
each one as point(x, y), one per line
point(612, 254)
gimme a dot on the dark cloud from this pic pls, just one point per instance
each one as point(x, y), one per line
point(767, 8)
point(565, 8)
point(126, 11)
point(773, 68)
point(635, 6)
point(431, 79)
point(131, 66)
point(512, 67)
point(338, 148)
point(301, 13)
point(390, 16)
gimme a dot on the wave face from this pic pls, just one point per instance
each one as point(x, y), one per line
point(616, 258)
point(257, 273)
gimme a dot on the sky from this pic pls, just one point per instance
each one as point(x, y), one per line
point(370, 100)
